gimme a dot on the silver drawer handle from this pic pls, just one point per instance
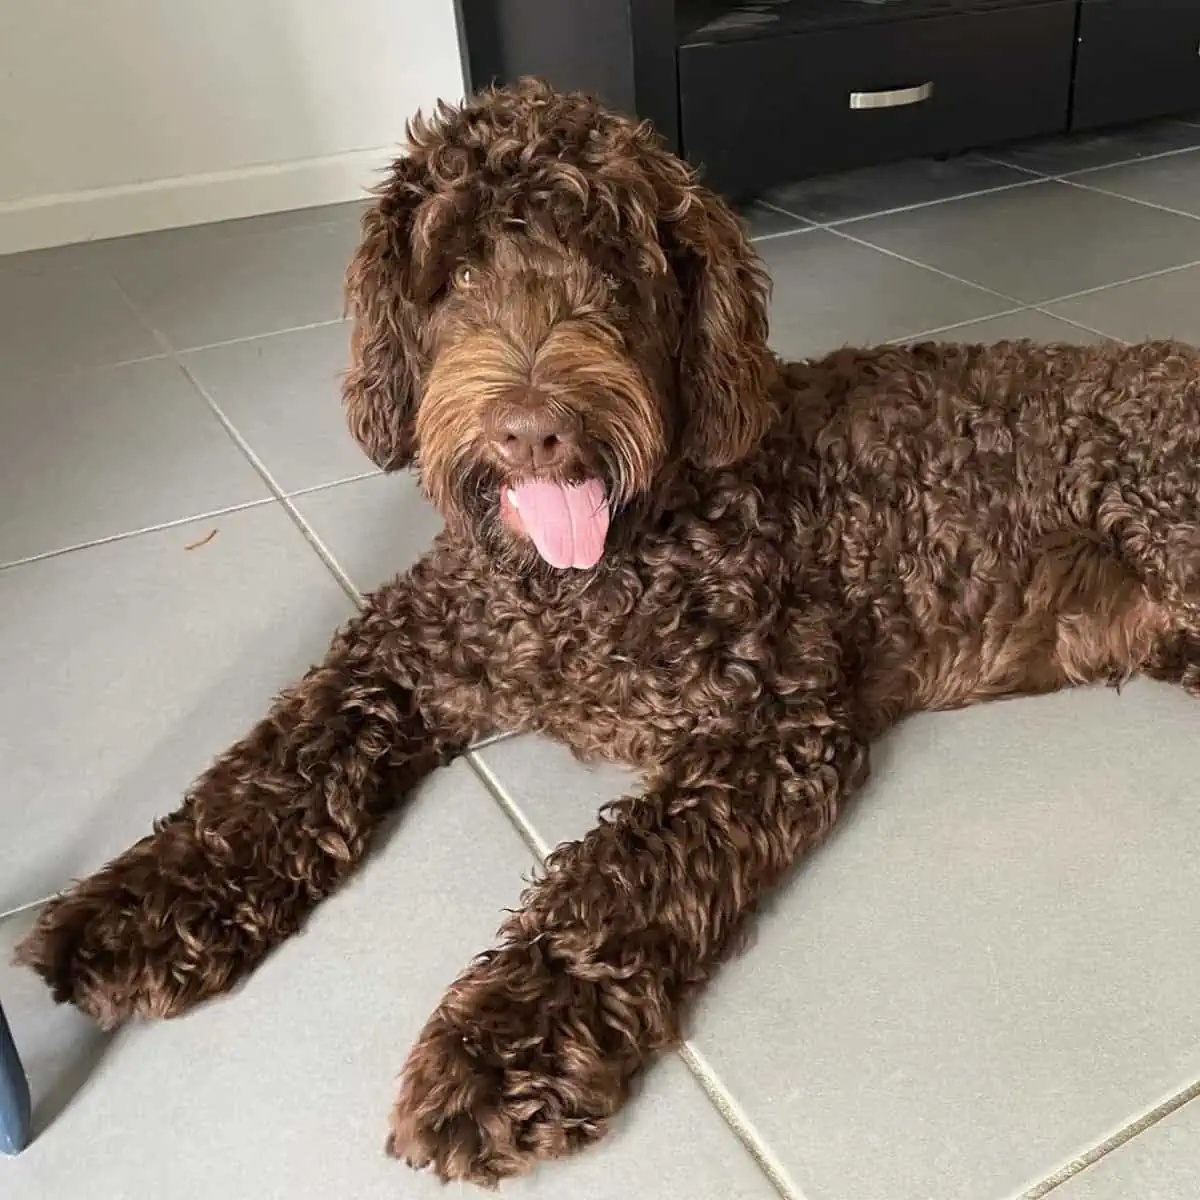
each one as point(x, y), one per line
point(898, 98)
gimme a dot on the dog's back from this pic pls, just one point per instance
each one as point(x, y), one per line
point(1000, 519)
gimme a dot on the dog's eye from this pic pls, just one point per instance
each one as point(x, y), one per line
point(463, 276)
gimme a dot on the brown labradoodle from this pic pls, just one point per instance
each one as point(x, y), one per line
point(663, 547)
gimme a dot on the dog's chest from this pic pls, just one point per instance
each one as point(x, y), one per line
point(674, 643)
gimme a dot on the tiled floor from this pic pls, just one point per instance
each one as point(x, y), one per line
point(986, 987)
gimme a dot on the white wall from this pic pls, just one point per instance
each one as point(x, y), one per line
point(118, 116)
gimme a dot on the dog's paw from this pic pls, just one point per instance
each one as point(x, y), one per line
point(142, 938)
point(511, 1069)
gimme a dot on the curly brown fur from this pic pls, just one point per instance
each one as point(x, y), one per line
point(273, 826)
point(798, 556)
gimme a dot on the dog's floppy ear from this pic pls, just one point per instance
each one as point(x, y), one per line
point(725, 366)
point(410, 242)
point(379, 391)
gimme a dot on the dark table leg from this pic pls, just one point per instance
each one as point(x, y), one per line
point(14, 1095)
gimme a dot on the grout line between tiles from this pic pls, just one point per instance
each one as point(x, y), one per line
point(176, 522)
point(716, 1092)
point(913, 262)
point(254, 337)
point(741, 1126)
point(1116, 162)
point(277, 490)
point(838, 229)
point(28, 906)
point(1035, 176)
point(67, 373)
point(313, 488)
point(310, 535)
point(1129, 162)
point(168, 349)
point(1073, 181)
point(905, 208)
point(938, 330)
point(902, 208)
point(1000, 162)
point(134, 310)
point(326, 555)
point(520, 822)
point(492, 739)
point(783, 233)
point(130, 533)
point(787, 212)
point(1116, 283)
point(1059, 299)
point(1112, 337)
point(1090, 1157)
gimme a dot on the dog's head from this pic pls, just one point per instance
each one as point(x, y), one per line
point(550, 316)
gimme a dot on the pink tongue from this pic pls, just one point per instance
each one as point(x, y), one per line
point(567, 522)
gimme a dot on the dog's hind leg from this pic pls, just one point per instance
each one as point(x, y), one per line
point(534, 1047)
point(1157, 533)
point(270, 829)
point(1177, 659)
point(1155, 529)
point(1099, 620)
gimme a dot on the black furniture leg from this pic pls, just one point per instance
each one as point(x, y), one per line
point(14, 1095)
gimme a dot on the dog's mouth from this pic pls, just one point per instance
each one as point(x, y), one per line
point(566, 522)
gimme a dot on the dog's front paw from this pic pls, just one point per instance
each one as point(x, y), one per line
point(150, 935)
point(518, 1064)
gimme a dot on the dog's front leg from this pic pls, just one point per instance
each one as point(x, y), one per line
point(269, 830)
point(533, 1048)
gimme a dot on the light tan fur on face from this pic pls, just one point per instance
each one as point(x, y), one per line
point(537, 345)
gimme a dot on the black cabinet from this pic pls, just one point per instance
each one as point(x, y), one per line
point(1136, 58)
point(759, 110)
point(758, 92)
point(622, 51)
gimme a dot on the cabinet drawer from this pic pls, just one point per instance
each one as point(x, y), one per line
point(759, 112)
point(1137, 58)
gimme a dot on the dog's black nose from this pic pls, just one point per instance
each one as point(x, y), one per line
point(532, 438)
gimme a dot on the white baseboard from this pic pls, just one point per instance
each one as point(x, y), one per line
point(40, 221)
